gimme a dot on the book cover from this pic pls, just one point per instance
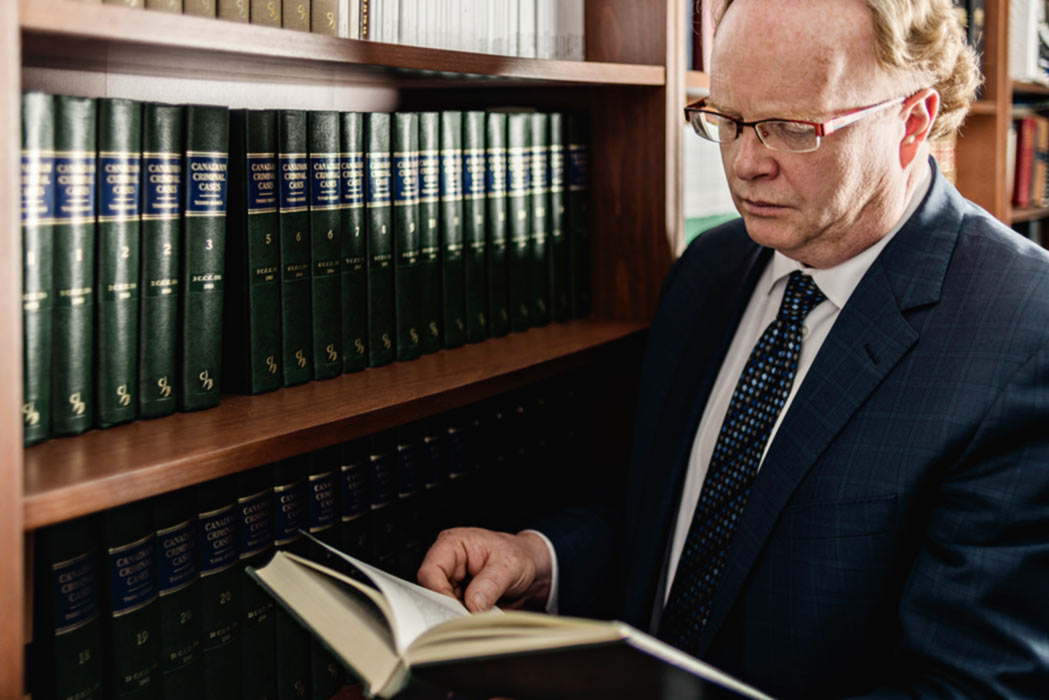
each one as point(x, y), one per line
point(405, 214)
point(203, 8)
point(382, 487)
point(203, 256)
point(354, 248)
point(453, 294)
point(268, 12)
point(474, 235)
point(496, 226)
point(128, 3)
point(539, 194)
point(294, 221)
point(411, 544)
point(73, 330)
point(118, 256)
point(236, 10)
point(325, 17)
point(1025, 130)
point(355, 501)
point(162, 185)
point(296, 15)
point(519, 220)
point(174, 6)
point(257, 612)
point(290, 518)
point(559, 258)
point(38, 183)
point(323, 519)
point(433, 473)
point(379, 221)
point(325, 243)
point(430, 232)
point(577, 197)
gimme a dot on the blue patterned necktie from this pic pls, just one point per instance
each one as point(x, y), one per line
point(760, 393)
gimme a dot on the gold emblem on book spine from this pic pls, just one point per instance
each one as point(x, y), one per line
point(271, 364)
point(77, 403)
point(32, 416)
point(332, 354)
point(165, 387)
point(123, 397)
point(206, 382)
point(359, 345)
point(300, 358)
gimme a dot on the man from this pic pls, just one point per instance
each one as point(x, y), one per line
point(839, 484)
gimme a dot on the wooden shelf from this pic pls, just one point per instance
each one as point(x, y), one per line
point(73, 476)
point(697, 84)
point(112, 38)
point(1019, 215)
point(983, 107)
point(1030, 88)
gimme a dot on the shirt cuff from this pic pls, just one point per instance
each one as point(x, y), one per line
point(551, 602)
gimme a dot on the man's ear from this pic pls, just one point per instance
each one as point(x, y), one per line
point(919, 111)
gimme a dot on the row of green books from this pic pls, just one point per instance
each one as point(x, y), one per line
point(151, 599)
point(319, 16)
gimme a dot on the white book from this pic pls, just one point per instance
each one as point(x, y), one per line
point(572, 22)
point(343, 26)
point(409, 22)
point(1024, 19)
point(393, 20)
point(511, 27)
point(496, 28)
point(546, 28)
point(460, 31)
point(441, 25)
point(526, 28)
point(481, 10)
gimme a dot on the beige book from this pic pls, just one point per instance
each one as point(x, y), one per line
point(91, 2)
point(297, 14)
point(204, 8)
point(325, 18)
point(128, 3)
point(165, 5)
point(236, 10)
point(266, 12)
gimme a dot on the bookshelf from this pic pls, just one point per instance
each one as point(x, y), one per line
point(631, 84)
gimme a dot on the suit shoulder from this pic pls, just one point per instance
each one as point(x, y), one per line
point(718, 247)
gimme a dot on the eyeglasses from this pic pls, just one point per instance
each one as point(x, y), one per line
point(790, 135)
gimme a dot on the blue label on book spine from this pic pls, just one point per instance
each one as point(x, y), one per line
point(473, 174)
point(289, 512)
point(577, 167)
point(433, 468)
point(76, 593)
point(294, 181)
point(518, 175)
point(352, 180)
point(429, 176)
point(383, 479)
point(405, 178)
point(218, 540)
point(75, 187)
point(539, 173)
point(131, 584)
point(496, 169)
point(256, 523)
point(176, 557)
point(38, 187)
point(323, 513)
point(378, 167)
point(354, 490)
point(557, 168)
point(262, 183)
point(457, 456)
point(161, 185)
point(206, 185)
point(407, 470)
point(452, 175)
point(119, 175)
point(324, 180)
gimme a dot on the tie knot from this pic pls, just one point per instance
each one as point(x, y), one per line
point(801, 296)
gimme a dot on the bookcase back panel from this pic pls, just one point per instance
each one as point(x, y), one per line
point(627, 31)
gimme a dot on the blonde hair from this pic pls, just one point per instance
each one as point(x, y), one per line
point(923, 41)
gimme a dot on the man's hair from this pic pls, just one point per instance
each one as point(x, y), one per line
point(923, 41)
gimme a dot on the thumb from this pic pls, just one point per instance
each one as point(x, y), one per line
point(487, 587)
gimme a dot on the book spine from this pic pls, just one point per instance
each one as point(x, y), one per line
point(296, 15)
point(203, 8)
point(433, 473)
point(174, 6)
point(133, 630)
point(296, 315)
point(117, 273)
point(576, 29)
point(365, 20)
point(382, 487)
point(429, 232)
point(526, 28)
point(411, 545)
point(325, 19)
point(474, 236)
point(67, 630)
point(354, 250)
point(220, 585)
point(379, 238)
point(127, 3)
point(453, 294)
point(72, 355)
point(539, 192)
point(578, 151)
point(257, 615)
point(405, 138)
point(519, 216)
point(496, 226)
point(355, 499)
point(457, 501)
point(323, 519)
point(546, 29)
point(290, 514)
point(325, 243)
point(267, 12)
point(162, 174)
point(178, 590)
point(38, 238)
point(556, 213)
point(236, 10)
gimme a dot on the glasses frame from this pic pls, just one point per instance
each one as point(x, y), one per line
point(823, 128)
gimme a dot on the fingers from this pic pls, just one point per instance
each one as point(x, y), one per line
point(444, 567)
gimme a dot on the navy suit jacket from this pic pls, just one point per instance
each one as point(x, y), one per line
point(896, 539)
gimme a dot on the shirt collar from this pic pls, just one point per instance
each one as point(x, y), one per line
point(837, 283)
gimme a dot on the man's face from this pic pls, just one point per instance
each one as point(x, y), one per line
point(810, 60)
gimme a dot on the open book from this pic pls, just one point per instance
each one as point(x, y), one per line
point(402, 639)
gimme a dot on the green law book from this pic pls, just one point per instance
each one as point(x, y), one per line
point(133, 630)
point(72, 351)
point(162, 175)
point(251, 349)
point(578, 151)
point(203, 256)
point(325, 243)
point(519, 217)
point(266, 12)
point(382, 489)
point(379, 231)
point(235, 10)
point(257, 616)
point(405, 214)
point(165, 5)
point(204, 8)
point(496, 227)
point(290, 518)
point(560, 260)
point(355, 501)
point(453, 294)
point(38, 237)
point(67, 628)
point(539, 194)
point(411, 545)
point(220, 586)
point(296, 15)
point(474, 236)
point(433, 474)
point(429, 232)
point(324, 17)
point(296, 316)
point(178, 588)
point(128, 3)
point(323, 506)
point(354, 250)
point(117, 272)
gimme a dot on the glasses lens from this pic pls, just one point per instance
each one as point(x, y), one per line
point(713, 126)
point(795, 137)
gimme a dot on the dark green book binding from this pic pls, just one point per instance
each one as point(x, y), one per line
point(354, 248)
point(67, 628)
point(519, 220)
point(220, 586)
point(257, 615)
point(290, 518)
point(379, 227)
point(251, 348)
point(560, 261)
point(325, 243)
point(117, 274)
point(133, 632)
point(496, 225)
point(38, 237)
point(162, 185)
point(203, 256)
point(429, 231)
point(323, 506)
point(178, 588)
point(453, 296)
point(405, 213)
point(539, 193)
point(382, 488)
point(411, 544)
point(72, 352)
point(474, 236)
point(355, 500)
point(433, 473)
point(577, 179)
point(296, 315)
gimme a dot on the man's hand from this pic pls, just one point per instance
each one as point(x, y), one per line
point(482, 568)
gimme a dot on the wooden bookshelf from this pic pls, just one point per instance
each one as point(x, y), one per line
point(1019, 215)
